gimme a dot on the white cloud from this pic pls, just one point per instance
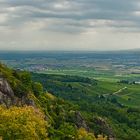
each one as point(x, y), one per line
point(69, 24)
point(3, 17)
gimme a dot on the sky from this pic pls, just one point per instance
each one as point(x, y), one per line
point(69, 24)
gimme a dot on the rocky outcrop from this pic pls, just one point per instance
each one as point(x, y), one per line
point(25, 100)
point(5, 88)
point(104, 127)
point(80, 121)
point(7, 97)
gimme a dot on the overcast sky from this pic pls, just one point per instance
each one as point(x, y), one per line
point(69, 24)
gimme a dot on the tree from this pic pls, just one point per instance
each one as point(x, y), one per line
point(82, 134)
point(22, 123)
point(37, 88)
point(101, 137)
point(67, 131)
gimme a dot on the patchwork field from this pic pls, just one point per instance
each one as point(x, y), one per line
point(104, 87)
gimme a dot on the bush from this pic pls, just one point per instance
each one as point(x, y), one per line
point(22, 123)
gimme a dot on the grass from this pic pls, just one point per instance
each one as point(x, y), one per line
point(107, 84)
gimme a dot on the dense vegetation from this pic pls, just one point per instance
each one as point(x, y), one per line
point(101, 103)
point(22, 123)
point(33, 113)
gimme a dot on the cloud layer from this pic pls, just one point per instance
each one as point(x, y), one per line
point(61, 24)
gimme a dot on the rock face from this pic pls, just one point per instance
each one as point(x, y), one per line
point(104, 127)
point(6, 93)
point(5, 88)
point(27, 101)
point(79, 121)
point(8, 98)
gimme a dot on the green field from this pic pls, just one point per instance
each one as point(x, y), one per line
point(106, 85)
point(118, 103)
point(102, 75)
point(101, 87)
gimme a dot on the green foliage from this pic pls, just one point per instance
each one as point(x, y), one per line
point(84, 135)
point(22, 123)
point(37, 88)
point(97, 100)
point(19, 81)
point(66, 131)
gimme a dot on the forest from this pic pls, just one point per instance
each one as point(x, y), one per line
point(29, 112)
point(104, 109)
point(60, 107)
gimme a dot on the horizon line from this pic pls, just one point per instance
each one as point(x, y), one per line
point(108, 50)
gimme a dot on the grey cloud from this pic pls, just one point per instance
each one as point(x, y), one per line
point(75, 16)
